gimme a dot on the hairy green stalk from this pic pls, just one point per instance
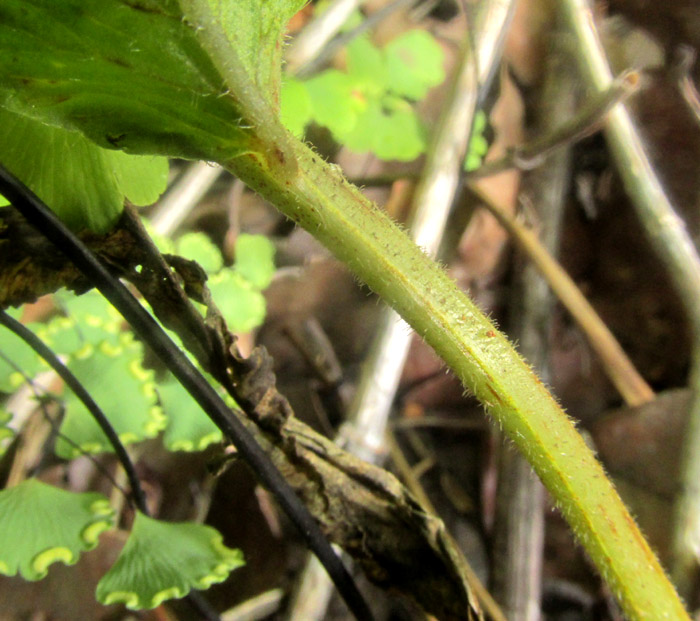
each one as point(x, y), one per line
point(382, 255)
point(211, 94)
point(317, 196)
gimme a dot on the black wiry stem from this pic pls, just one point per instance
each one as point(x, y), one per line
point(41, 217)
point(80, 391)
point(56, 428)
point(137, 495)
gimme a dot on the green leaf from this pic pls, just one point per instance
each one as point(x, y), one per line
point(242, 306)
point(67, 336)
point(255, 29)
point(83, 184)
point(162, 561)
point(19, 356)
point(189, 429)
point(198, 247)
point(90, 318)
point(295, 106)
point(69, 173)
point(142, 178)
point(255, 259)
point(335, 102)
point(478, 145)
point(391, 134)
point(41, 524)
point(89, 307)
point(123, 389)
point(366, 64)
point(414, 64)
point(359, 108)
point(129, 74)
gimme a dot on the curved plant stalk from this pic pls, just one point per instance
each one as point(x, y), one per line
point(368, 416)
point(380, 253)
point(686, 86)
point(316, 195)
point(22, 406)
point(319, 198)
point(670, 239)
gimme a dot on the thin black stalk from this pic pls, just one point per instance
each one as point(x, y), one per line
point(45, 221)
point(79, 390)
point(194, 599)
point(40, 398)
point(200, 604)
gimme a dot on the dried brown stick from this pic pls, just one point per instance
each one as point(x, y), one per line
point(623, 374)
point(589, 119)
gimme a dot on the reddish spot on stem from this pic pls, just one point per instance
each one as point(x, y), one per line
point(494, 393)
point(604, 513)
point(359, 95)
